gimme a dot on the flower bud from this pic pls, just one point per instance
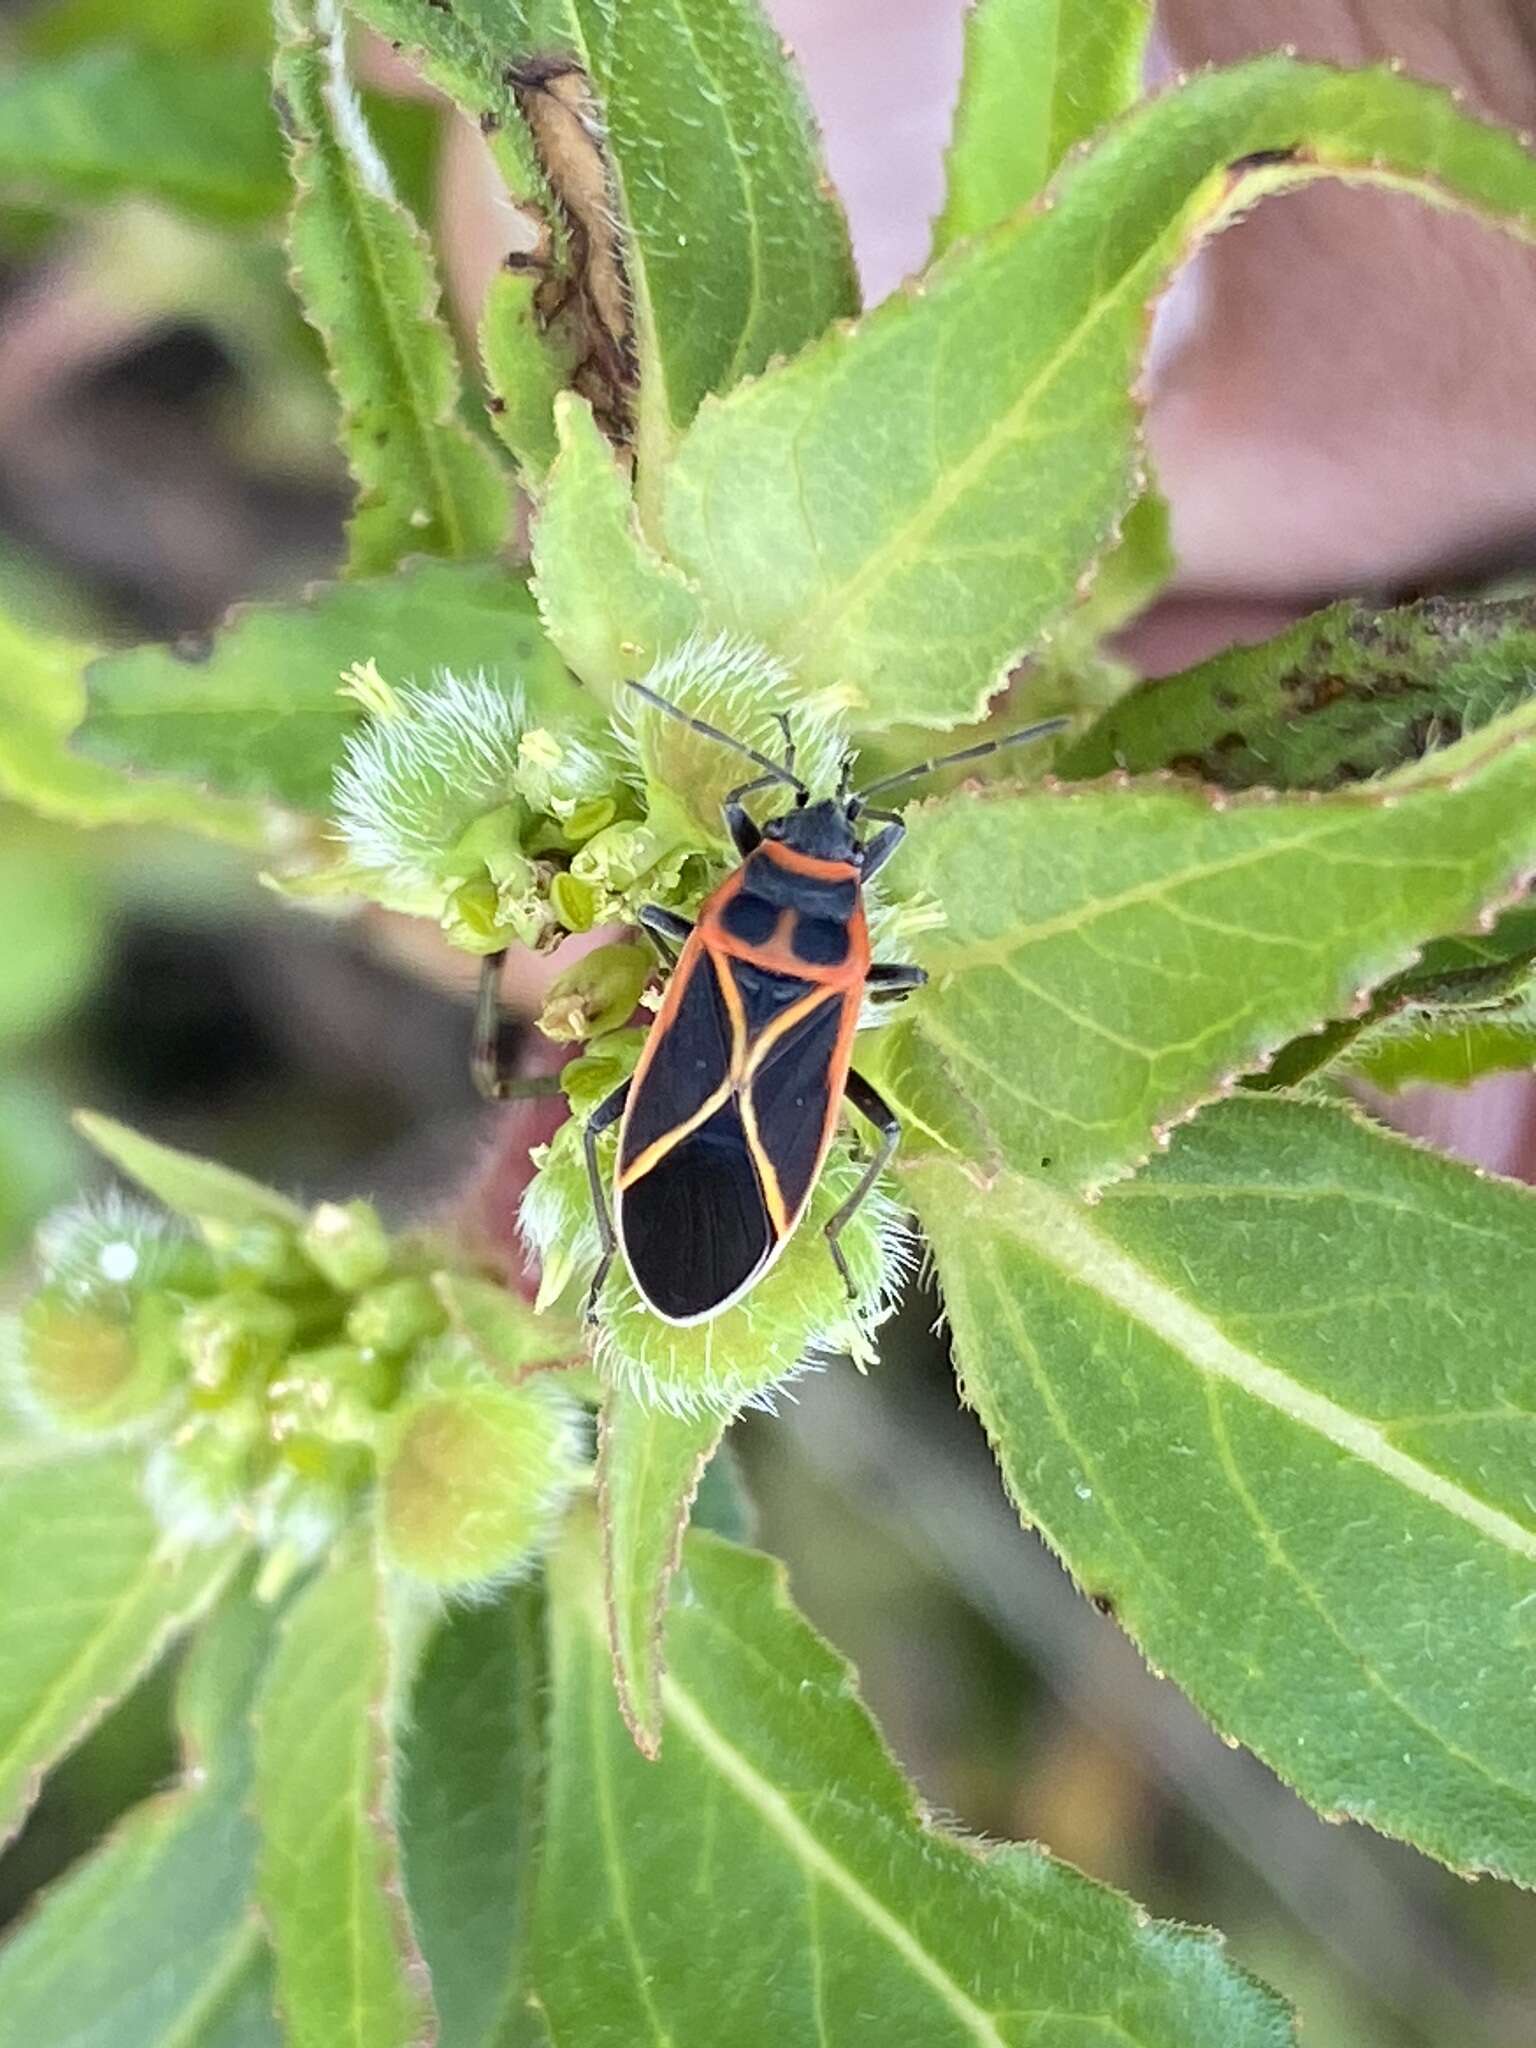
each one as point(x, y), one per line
point(95, 1367)
point(347, 1243)
point(260, 1250)
point(471, 917)
point(395, 1315)
point(236, 1340)
point(597, 994)
point(335, 1392)
point(574, 902)
point(115, 1245)
point(473, 1473)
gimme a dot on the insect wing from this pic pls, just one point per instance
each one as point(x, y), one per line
point(794, 1093)
point(690, 1210)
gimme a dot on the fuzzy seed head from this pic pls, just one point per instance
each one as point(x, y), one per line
point(414, 781)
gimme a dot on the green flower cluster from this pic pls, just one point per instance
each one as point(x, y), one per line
point(509, 825)
point(288, 1376)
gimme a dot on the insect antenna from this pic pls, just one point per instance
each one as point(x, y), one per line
point(980, 752)
point(776, 769)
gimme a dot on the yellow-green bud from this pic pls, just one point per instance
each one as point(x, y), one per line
point(574, 902)
point(91, 1369)
point(335, 1392)
point(585, 1081)
point(261, 1251)
point(348, 1244)
point(472, 917)
point(236, 1340)
point(395, 1315)
point(617, 857)
point(472, 1475)
point(493, 844)
point(596, 995)
point(585, 819)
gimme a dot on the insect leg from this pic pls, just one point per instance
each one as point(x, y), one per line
point(607, 1112)
point(889, 980)
point(872, 1105)
point(745, 836)
point(667, 929)
point(879, 849)
point(487, 1069)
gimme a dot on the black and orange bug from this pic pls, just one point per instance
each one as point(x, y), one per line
point(727, 1119)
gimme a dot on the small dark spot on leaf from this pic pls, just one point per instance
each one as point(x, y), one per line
point(1103, 1603)
point(1315, 693)
point(495, 404)
point(1263, 159)
point(522, 263)
point(490, 121)
point(1225, 698)
point(1229, 743)
point(1046, 1163)
point(282, 107)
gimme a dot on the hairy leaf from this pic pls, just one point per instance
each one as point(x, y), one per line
point(191, 1186)
point(42, 700)
point(1272, 1400)
point(609, 605)
point(469, 1811)
point(1040, 77)
point(864, 1921)
point(194, 133)
point(258, 711)
point(525, 371)
point(1445, 1048)
point(1350, 693)
point(153, 1939)
point(348, 1970)
point(909, 505)
point(649, 1465)
point(1111, 959)
point(364, 272)
point(735, 248)
point(89, 1597)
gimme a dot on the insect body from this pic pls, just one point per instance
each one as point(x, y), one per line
point(728, 1117)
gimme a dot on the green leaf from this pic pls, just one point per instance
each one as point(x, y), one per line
point(916, 562)
point(196, 134)
point(1445, 1048)
point(609, 605)
point(179, 28)
point(89, 1597)
point(191, 1186)
point(1454, 982)
point(771, 1878)
point(42, 700)
point(1271, 1399)
point(501, 1328)
point(525, 371)
point(649, 1466)
point(259, 711)
point(1040, 77)
point(736, 248)
point(469, 1812)
point(1112, 959)
point(364, 273)
point(347, 1965)
point(1347, 694)
point(153, 1939)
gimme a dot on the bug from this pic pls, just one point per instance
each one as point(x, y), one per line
point(727, 1119)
